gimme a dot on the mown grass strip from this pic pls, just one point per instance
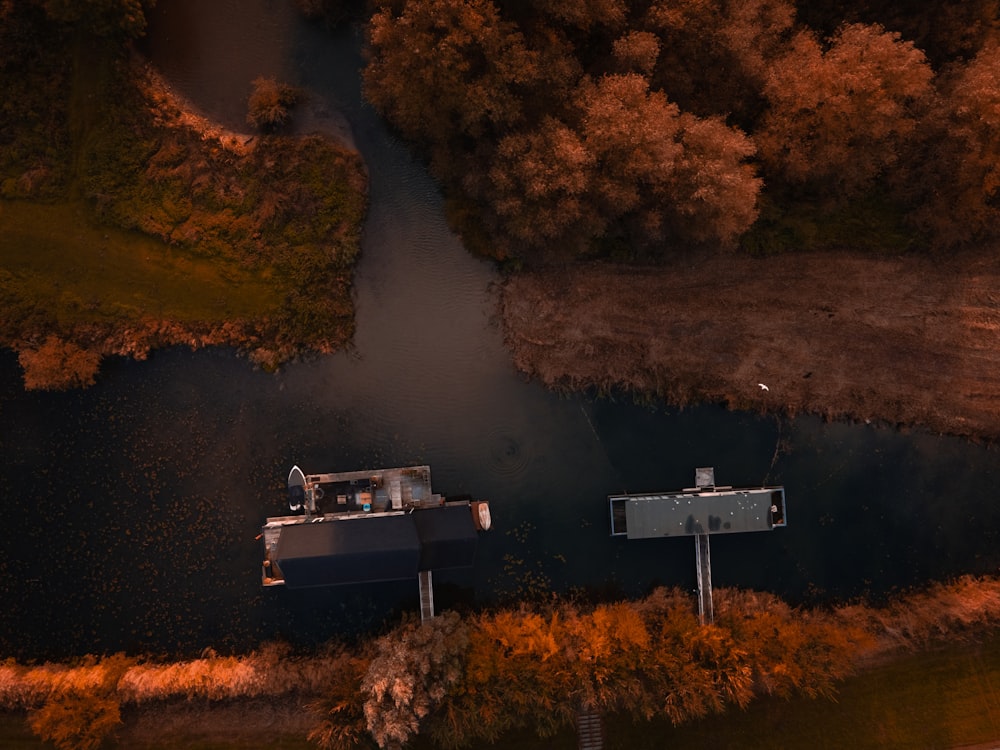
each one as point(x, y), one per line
point(54, 259)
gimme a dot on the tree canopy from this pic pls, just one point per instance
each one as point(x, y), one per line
point(956, 178)
point(650, 127)
point(446, 69)
point(840, 116)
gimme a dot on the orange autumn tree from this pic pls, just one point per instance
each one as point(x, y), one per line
point(603, 652)
point(76, 721)
point(790, 651)
point(58, 365)
point(585, 14)
point(715, 54)
point(946, 30)
point(270, 104)
point(841, 114)
point(85, 708)
point(550, 162)
point(665, 176)
point(512, 680)
point(636, 52)
point(624, 165)
point(443, 70)
point(650, 659)
point(678, 687)
point(957, 176)
point(540, 186)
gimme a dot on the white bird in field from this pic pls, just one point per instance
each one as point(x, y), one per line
point(763, 387)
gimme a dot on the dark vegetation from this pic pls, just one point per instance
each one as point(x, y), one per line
point(271, 104)
point(477, 679)
point(940, 699)
point(127, 223)
point(632, 130)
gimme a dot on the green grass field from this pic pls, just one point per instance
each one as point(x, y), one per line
point(54, 259)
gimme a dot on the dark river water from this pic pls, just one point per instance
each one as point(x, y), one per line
point(131, 508)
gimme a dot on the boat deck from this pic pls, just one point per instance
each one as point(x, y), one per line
point(378, 491)
point(350, 495)
point(697, 511)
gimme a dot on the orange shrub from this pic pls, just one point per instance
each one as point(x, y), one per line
point(58, 365)
point(76, 721)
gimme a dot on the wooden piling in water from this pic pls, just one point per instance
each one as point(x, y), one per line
point(425, 581)
point(703, 565)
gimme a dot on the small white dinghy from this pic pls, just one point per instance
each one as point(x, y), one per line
point(296, 488)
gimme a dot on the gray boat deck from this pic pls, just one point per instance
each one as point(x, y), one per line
point(694, 512)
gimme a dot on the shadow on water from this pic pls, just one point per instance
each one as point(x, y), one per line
point(132, 507)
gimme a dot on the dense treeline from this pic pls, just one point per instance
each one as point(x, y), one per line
point(467, 680)
point(636, 128)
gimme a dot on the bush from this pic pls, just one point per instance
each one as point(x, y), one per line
point(342, 724)
point(58, 365)
point(76, 721)
point(270, 104)
point(415, 667)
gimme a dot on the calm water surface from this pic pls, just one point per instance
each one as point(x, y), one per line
point(132, 508)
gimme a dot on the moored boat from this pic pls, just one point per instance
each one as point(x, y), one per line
point(405, 528)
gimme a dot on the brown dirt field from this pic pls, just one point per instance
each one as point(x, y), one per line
point(901, 340)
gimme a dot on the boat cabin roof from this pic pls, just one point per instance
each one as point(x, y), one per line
point(380, 547)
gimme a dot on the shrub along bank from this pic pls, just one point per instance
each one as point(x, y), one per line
point(460, 681)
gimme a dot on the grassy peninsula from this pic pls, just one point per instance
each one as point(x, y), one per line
point(904, 341)
point(128, 222)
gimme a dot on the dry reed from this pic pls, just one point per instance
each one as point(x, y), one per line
point(596, 649)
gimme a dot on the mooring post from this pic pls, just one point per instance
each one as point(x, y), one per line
point(704, 479)
point(425, 583)
point(703, 563)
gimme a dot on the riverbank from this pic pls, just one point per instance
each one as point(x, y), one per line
point(870, 677)
point(907, 341)
point(892, 705)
